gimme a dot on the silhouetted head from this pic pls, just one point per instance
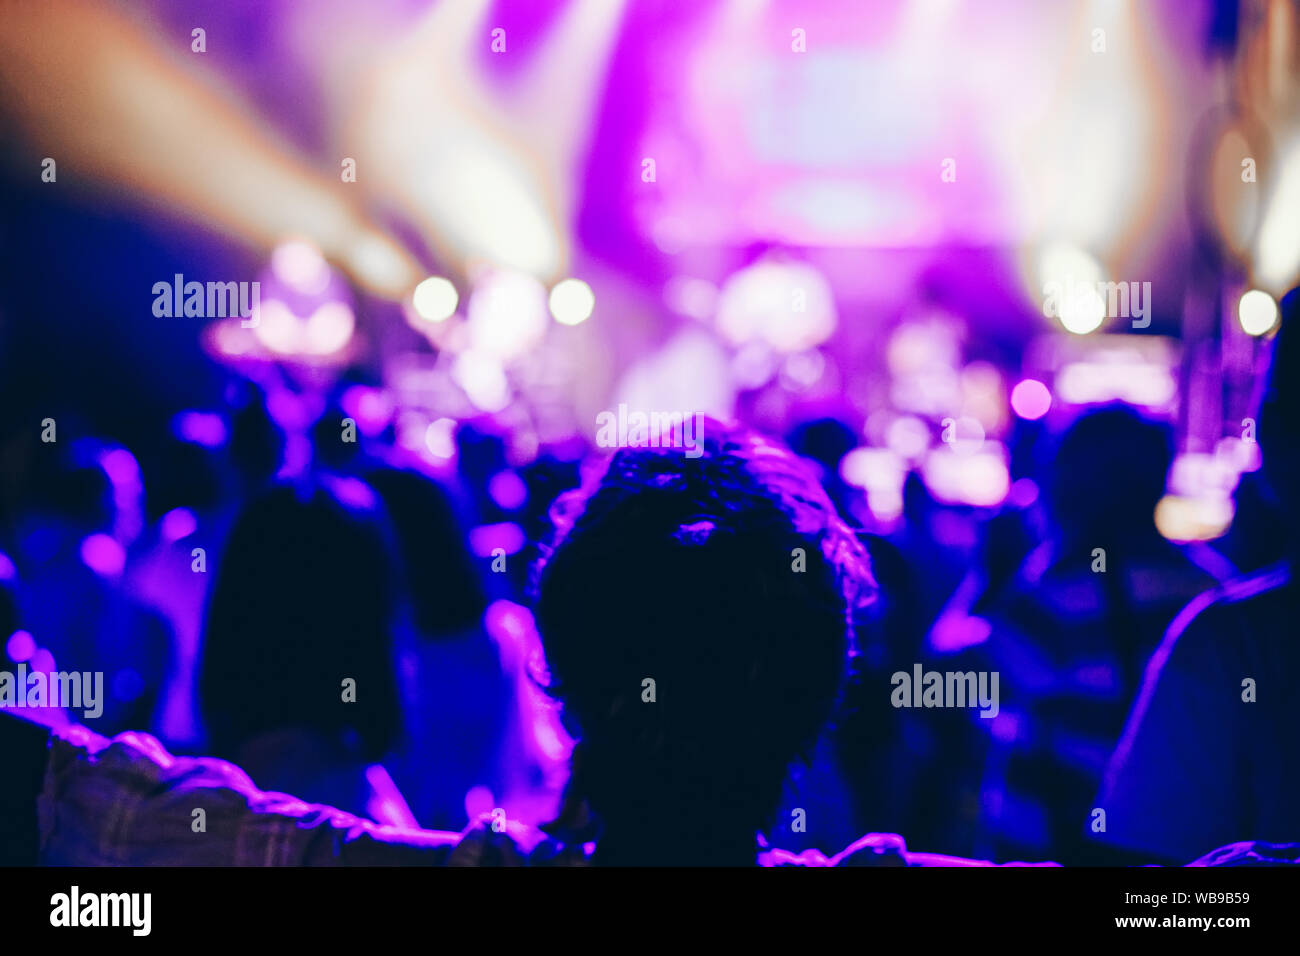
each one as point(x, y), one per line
point(256, 442)
point(727, 580)
point(303, 602)
point(1279, 416)
point(1109, 473)
point(446, 594)
point(73, 487)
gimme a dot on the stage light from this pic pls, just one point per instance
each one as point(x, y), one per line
point(206, 429)
point(789, 305)
point(1278, 256)
point(103, 555)
point(1119, 377)
point(1238, 454)
point(1030, 399)
point(696, 298)
point(505, 535)
point(20, 647)
point(495, 208)
point(435, 299)
point(1083, 313)
point(483, 380)
point(380, 264)
point(371, 408)
point(121, 467)
point(1070, 279)
point(299, 265)
point(964, 435)
point(178, 523)
point(329, 329)
point(909, 436)
point(507, 315)
point(572, 301)
point(802, 370)
point(277, 327)
point(440, 438)
point(508, 490)
point(1257, 312)
point(42, 662)
point(478, 801)
point(753, 365)
point(979, 479)
point(874, 469)
point(1184, 519)
point(1023, 493)
point(352, 492)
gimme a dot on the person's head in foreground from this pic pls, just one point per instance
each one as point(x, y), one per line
point(695, 615)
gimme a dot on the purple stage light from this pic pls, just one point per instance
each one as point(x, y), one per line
point(103, 555)
point(506, 535)
point(371, 408)
point(121, 467)
point(1030, 399)
point(20, 647)
point(508, 490)
point(200, 428)
point(478, 801)
point(178, 523)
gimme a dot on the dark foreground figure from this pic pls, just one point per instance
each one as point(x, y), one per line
point(695, 614)
point(1211, 752)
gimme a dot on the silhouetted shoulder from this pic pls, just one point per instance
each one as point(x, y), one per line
point(1207, 635)
point(1260, 595)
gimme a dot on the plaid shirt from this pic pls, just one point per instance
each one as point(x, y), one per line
point(128, 802)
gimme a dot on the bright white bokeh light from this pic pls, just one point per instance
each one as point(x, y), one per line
point(507, 315)
point(483, 380)
point(300, 265)
point(572, 301)
point(495, 211)
point(440, 438)
point(964, 435)
point(1257, 312)
point(435, 299)
point(1083, 312)
point(979, 479)
point(788, 305)
point(277, 327)
point(1071, 278)
point(328, 329)
point(1278, 256)
point(909, 436)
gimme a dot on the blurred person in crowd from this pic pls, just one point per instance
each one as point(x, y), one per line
point(297, 678)
point(167, 569)
point(455, 697)
point(1211, 751)
point(257, 443)
point(825, 441)
point(83, 511)
point(930, 757)
point(1069, 632)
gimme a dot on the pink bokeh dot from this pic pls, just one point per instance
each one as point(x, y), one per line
point(1030, 399)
